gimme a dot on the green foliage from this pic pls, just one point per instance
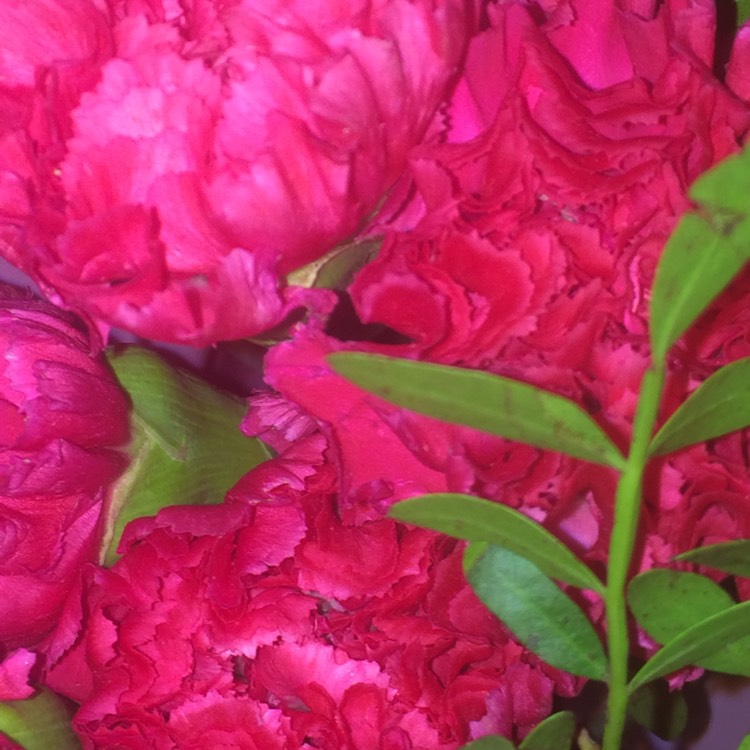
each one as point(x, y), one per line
point(668, 602)
point(720, 405)
point(743, 13)
point(554, 733)
point(38, 723)
point(186, 448)
point(745, 744)
point(337, 268)
point(472, 553)
point(695, 644)
point(493, 742)
point(474, 519)
point(704, 253)
point(487, 402)
point(662, 711)
point(539, 614)
point(729, 557)
point(723, 191)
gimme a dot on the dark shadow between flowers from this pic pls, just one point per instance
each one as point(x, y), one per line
point(345, 325)
point(237, 366)
point(726, 26)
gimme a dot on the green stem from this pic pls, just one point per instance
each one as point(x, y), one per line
point(627, 512)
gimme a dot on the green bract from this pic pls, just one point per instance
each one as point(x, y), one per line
point(41, 722)
point(187, 447)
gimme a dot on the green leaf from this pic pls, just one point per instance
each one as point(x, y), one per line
point(473, 551)
point(719, 405)
point(337, 268)
point(704, 252)
point(668, 602)
point(475, 519)
point(491, 742)
point(745, 744)
point(494, 404)
point(695, 644)
point(730, 557)
point(662, 711)
point(538, 613)
point(187, 447)
point(38, 723)
point(743, 14)
point(723, 190)
point(554, 733)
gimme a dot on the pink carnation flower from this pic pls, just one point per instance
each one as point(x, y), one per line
point(268, 622)
point(223, 146)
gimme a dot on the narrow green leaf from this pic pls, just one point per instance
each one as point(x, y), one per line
point(554, 733)
point(698, 261)
point(662, 711)
point(475, 519)
point(491, 742)
point(695, 644)
point(473, 551)
point(703, 254)
point(668, 602)
point(723, 190)
point(719, 405)
point(730, 557)
point(38, 723)
point(187, 447)
point(538, 613)
point(494, 404)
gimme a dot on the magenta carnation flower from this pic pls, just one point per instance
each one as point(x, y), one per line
point(62, 419)
point(271, 622)
point(224, 145)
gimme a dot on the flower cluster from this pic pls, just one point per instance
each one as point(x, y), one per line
point(268, 622)
point(529, 251)
point(177, 169)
